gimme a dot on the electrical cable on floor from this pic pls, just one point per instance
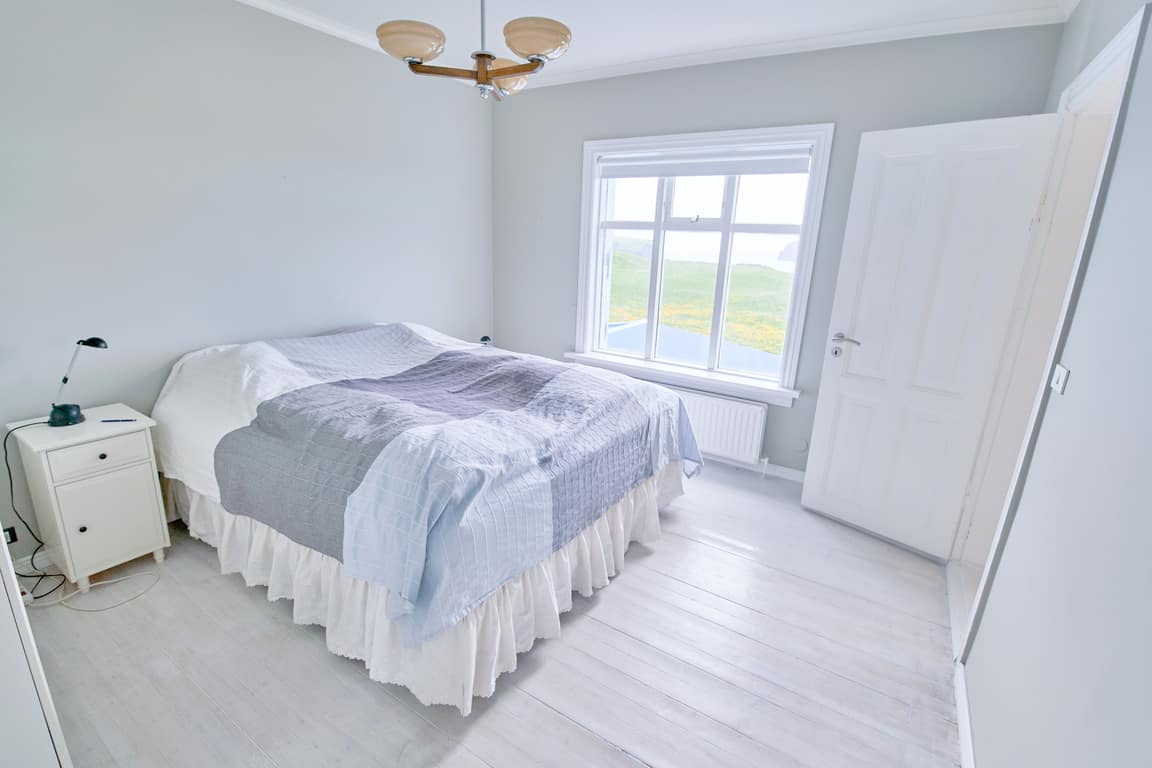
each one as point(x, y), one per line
point(59, 584)
point(63, 599)
point(40, 574)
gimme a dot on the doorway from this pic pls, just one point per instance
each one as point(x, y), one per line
point(1089, 108)
point(961, 245)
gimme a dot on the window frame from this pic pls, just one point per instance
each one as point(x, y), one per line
point(816, 139)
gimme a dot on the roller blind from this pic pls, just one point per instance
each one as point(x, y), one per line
point(707, 162)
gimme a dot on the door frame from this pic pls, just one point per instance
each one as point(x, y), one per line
point(1117, 56)
point(1099, 84)
point(1117, 59)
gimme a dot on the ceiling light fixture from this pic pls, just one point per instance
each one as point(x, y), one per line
point(533, 38)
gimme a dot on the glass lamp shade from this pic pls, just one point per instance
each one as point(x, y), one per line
point(537, 37)
point(511, 84)
point(410, 40)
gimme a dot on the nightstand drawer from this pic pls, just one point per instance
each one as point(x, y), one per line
point(80, 460)
point(110, 518)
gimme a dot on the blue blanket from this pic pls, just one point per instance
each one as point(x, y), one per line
point(442, 469)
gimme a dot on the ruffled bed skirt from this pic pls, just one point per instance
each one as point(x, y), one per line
point(463, 661)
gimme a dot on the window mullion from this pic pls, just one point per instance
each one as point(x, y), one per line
point(642, 225)
point(768, 229)
point(720, 301)
point(687, 225)
point(655, 277)
point(600, 275)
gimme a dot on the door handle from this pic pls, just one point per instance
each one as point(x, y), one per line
point(840, 338)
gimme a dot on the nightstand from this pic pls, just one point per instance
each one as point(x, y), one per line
point(95, 489)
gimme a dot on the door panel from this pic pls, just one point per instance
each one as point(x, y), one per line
point(853, 418)
point(937, 236)
point(895, 188)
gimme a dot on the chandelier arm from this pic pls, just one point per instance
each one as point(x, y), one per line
point(520, 69)
point(428, 69)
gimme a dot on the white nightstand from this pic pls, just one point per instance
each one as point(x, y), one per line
point(95, 489)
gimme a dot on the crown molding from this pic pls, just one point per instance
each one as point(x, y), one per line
point(808, 44)
point(290, 12)
point(557, 75)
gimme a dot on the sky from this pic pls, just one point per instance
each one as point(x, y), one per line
point(765, 199)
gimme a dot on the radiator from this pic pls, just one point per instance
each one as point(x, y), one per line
point(726, 428)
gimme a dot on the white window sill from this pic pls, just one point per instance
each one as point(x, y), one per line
point(712, 382)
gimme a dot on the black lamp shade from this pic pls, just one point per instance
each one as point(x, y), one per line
point(93, 341)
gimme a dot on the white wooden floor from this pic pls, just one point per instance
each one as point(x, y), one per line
point(752, 634)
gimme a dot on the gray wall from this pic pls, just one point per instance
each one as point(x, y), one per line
point(1060, 673)
point(1091, 26)
point(176, 174)
point(539, 136)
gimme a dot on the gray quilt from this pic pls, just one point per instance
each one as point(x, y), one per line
point(453, 470)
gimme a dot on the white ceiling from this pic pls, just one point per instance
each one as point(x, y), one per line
point(614, 37)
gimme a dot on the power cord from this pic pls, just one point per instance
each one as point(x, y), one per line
point(40, 574)
point(63, 599)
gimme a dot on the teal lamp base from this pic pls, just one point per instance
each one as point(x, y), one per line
point(65, 415)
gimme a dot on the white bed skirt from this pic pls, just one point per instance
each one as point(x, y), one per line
point(465, 660)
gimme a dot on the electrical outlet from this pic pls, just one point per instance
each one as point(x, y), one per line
point(10, 535)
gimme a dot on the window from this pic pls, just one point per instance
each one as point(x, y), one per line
point(697, 255)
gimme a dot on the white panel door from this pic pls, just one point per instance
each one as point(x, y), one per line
point(29, 728)
point(937, 235)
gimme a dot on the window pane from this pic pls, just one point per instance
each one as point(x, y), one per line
point(701, 196)
point(632, 199)
point(689, 288)
point(776, 198)
point(627, 266)
point(759, 291)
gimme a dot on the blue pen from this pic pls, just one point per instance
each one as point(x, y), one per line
point(114, 421)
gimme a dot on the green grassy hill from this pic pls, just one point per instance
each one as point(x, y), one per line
point(757, 298)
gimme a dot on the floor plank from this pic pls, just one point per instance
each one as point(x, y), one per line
point(752, 634)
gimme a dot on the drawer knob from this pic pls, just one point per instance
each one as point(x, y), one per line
point(83, 529)
point(102, 456)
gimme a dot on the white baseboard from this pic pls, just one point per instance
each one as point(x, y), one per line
point(24, 564)
point(962, 579)
point(963, 722)
point(764, 467)
point(786, 473)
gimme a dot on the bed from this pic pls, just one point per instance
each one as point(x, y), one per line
point(431, 502)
